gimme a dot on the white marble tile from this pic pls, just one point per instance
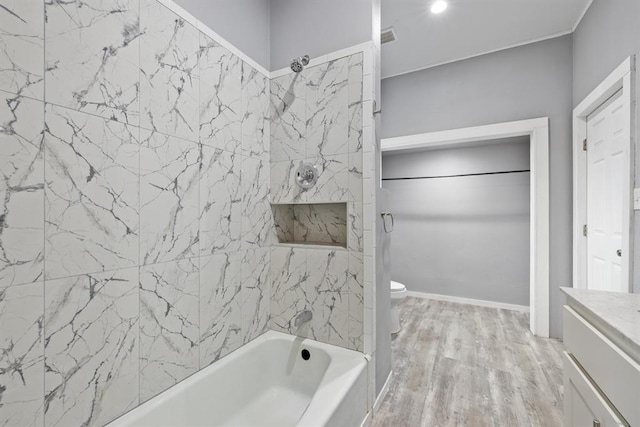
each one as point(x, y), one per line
point(283, 223)
point(93, 57)
point(91, 194)
point(257, 219)
point(333, 180)
point(327, 98)
point(283, 188)
point(368, 319)
point(22, 355)
point(288, 293)
point(368, 293)
point(368, 243)
point(331, 318)
point(169, 187)
point(237, 52)
point(91, 348)
point(220, 96)
point(355, 103)
point(368, 140)
point(356, 301)
point(355, 177)
point(368, 345)
point(328, 271)
point(369, 268)
point(320, 223)
point(220, 306)
point(328, 291)
point(367, 191)
point(256, 292)
point(354, 227)
point(21, 190)
point(220, 201)
point(180, 11)
point(255, 113)
point(22, 47)
point(288, 118)
point(169, 324)
point(169, 83)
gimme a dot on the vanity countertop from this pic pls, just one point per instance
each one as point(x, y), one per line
point(615, 314)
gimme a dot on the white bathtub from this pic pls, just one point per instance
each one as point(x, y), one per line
point(265, 383)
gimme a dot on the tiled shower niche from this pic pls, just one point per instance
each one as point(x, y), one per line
point(323, 224)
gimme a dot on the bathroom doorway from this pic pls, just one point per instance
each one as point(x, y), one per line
point(463, 219)
point(537, 131)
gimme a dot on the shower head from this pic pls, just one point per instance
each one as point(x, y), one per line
point(298, 64)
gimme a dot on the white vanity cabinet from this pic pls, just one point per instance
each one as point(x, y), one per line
point(601, 380)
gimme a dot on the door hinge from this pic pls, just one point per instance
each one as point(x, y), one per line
point(584, 144)
point(584, 230)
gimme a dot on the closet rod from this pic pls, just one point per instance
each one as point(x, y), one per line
point(456, 176)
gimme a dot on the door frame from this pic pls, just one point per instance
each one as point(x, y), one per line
point(620, 79)
point(538, 131)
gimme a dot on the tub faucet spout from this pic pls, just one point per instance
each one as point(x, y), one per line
point(302, 319)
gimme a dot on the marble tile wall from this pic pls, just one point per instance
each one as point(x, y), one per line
point(135, 224)
point(316, 117)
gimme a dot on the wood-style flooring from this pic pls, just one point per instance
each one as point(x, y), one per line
point(463, 365)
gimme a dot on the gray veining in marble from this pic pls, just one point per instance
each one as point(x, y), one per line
point(220, 96)
point(220, 201)
point(169, 85)
point(91, 194)
point(355, 102)
point(169, 187)
point(220, 306)
point(91, 348)
point(327, 103)
point(21, 355)
point(328, 292)
point(288, 293)
point(22, 47)
point(320, 281)
point(100, 73)
point(21, 190)
point(256, 295)
point(169, 324)
point(257, 222)
point(288, 118)
point(255, 113)
point(355, 282)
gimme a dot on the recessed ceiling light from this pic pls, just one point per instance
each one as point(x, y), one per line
point(438, 6)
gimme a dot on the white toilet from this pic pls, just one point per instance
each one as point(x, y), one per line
point(398, 293)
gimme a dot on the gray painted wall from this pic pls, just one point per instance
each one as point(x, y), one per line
point(316, 27)
point(243, 23)
point(606, 36)
point(530, 81)
point(464, 236)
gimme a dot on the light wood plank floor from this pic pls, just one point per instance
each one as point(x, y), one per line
point(463, 365)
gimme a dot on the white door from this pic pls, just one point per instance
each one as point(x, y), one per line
point(608, 190)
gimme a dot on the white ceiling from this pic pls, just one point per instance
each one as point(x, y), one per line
point(469, 28)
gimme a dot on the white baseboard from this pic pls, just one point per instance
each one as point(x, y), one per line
point(382, 394)
point(367, 420)
point(470, 301)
